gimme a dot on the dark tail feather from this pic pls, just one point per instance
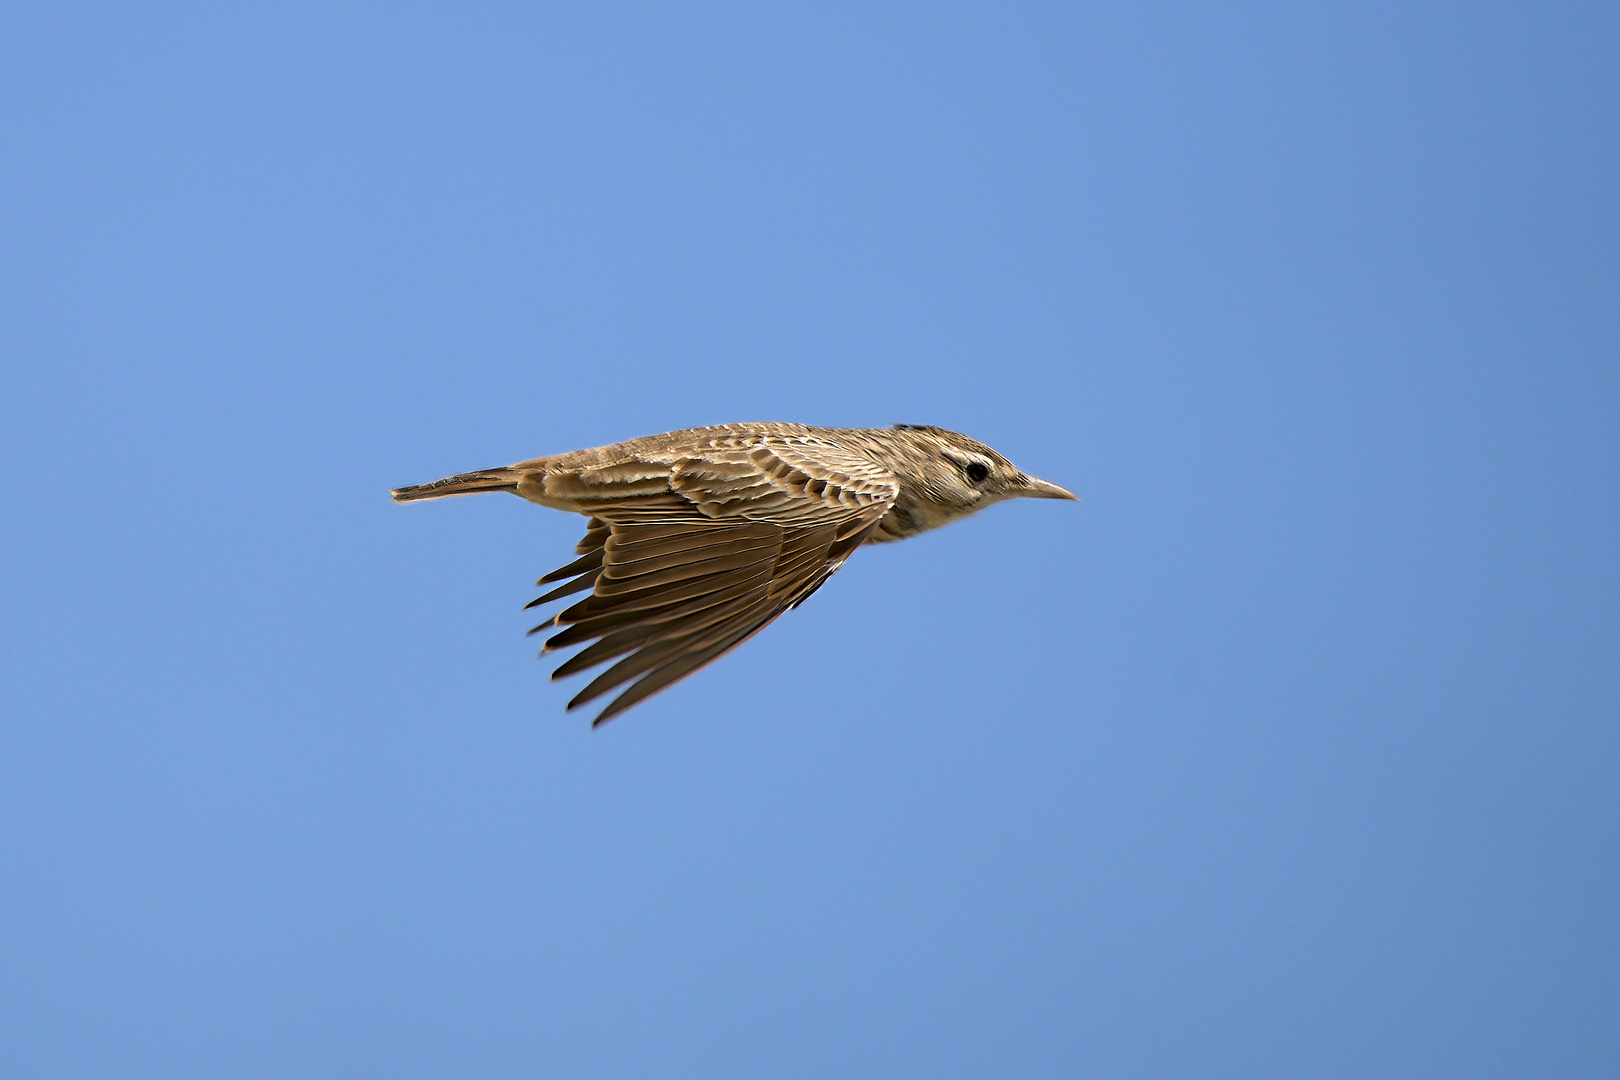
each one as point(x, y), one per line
point(464, 484)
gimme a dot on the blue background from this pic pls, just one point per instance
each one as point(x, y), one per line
point(1291, 751)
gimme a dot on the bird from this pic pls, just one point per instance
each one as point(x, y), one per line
point(698, 539)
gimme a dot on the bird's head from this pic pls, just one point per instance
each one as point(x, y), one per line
point(945, 476)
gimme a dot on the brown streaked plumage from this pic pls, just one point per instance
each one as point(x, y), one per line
point(698, 539)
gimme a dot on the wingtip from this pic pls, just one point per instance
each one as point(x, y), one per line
point(586, 696)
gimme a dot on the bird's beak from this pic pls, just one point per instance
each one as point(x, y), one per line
point(1031, 487)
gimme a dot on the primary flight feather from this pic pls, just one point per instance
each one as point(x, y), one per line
point(698, 539)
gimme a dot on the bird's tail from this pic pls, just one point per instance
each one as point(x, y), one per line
point(462, 484)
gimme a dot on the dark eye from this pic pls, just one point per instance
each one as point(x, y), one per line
point(977, 471)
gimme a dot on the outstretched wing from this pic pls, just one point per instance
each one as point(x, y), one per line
point(683, 571)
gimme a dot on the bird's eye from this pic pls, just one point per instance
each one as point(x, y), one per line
point(977, 471)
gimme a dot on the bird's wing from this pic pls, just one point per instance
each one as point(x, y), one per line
point(682, 573)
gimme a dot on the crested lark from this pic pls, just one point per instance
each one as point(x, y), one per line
point(699, 539)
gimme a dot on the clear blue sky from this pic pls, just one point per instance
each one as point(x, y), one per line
point(1291, 751)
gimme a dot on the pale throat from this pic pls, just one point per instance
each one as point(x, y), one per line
point(908, 517)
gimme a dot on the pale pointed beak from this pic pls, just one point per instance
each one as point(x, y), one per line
point(1034, 488)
